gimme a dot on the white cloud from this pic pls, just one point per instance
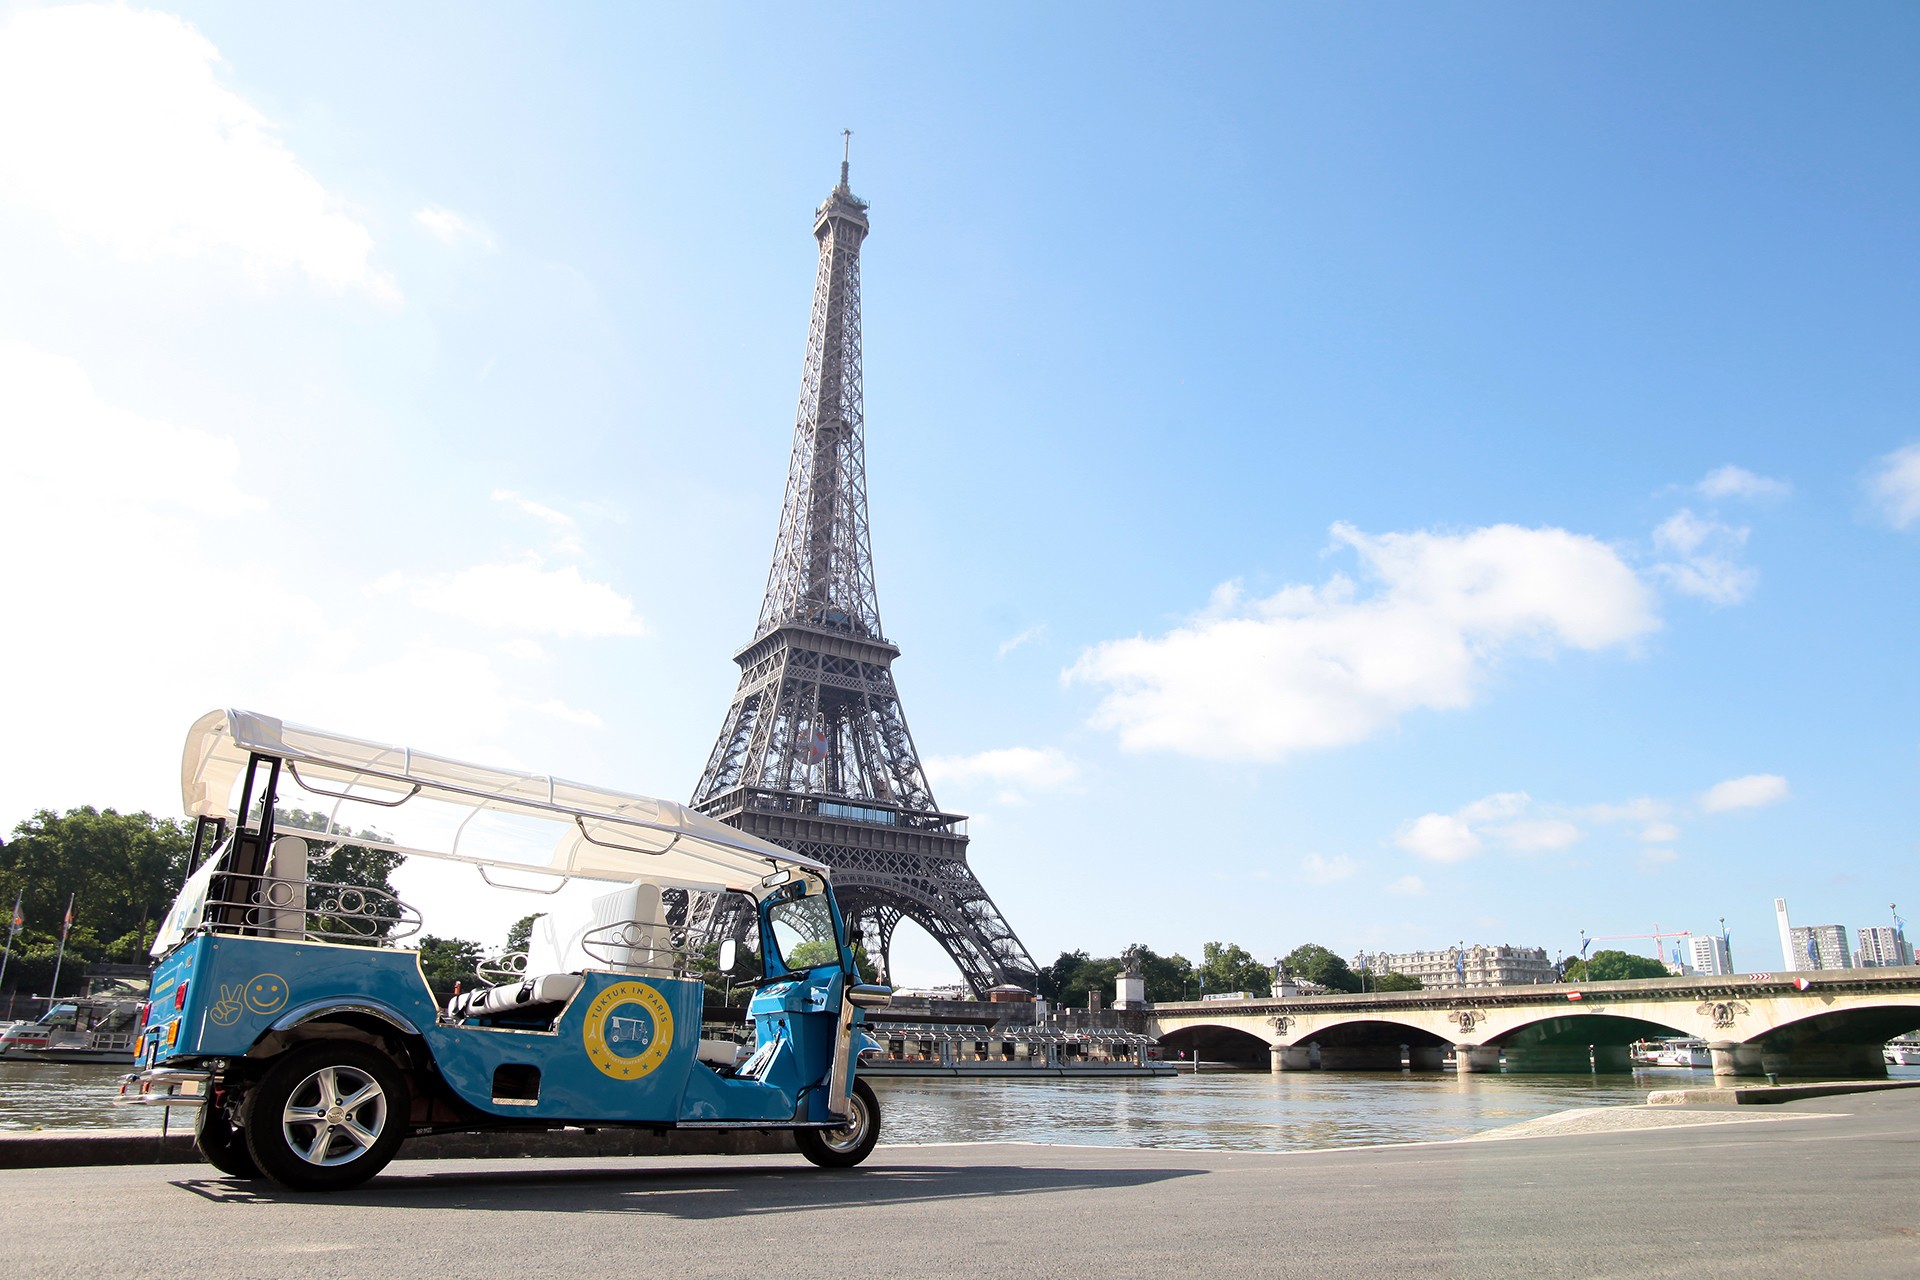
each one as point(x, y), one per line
point(1707, 563)
point(565, 530)
point(1323, 870)
point(1310, 668)
point(1408, 887)
point(61, 434)
point(1738, 482)
point(1895, 486)
point(1751, 792)
point(1659, 833)
point(1440, 836)
point(1017, 768)
point(450, 228)
point(1642, 809)
point(1496, 807)
point(116, 128)
point(1031, 634)
point(1497, 819)
point(1541, 835)
point(522, 596)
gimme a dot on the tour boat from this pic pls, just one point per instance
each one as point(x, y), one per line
point(78, 1030)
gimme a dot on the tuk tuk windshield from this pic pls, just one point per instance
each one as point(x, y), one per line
point(803, 932)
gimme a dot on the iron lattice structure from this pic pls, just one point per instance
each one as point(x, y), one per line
point(815, 753)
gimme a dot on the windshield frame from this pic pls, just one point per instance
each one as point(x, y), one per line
point(771, 943)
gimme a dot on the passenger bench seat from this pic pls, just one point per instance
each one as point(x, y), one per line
point(486, 1002)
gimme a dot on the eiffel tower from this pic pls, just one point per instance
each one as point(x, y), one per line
point(815, 753)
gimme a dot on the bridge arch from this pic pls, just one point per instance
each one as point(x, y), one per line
point(1578, 1042)
point(1370, 1044)
point(1216, 1042)
point(1845, 1041)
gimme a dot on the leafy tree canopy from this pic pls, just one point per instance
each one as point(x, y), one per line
point(521, 933)
point(1316, 963)
point(1229, 967)
point(1392, 982)
point(446, 961)
point(1615, 966)
point(120, 870)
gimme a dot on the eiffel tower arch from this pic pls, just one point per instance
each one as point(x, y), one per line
point(815, 753)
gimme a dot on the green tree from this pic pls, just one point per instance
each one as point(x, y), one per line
point(1392, 982)
point(1315, 963)
point(521, 933)
point(446, 961)
point(120, 870)
point(1068, 980)
point(1616, 966)
point(362, 863)
point(1228, 967)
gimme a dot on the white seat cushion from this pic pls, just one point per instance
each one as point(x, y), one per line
point(483, 1002)
point(720, 1053)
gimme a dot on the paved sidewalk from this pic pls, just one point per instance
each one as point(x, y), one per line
point(1830, 1186)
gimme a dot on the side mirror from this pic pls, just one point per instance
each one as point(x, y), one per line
point(729, 952)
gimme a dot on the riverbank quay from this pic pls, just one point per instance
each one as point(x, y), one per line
point(1770, 1094)
point(1826, 1185)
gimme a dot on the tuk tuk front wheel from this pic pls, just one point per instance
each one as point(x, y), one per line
point(223, 1146)
point(848, 1145)
point(327, 1116)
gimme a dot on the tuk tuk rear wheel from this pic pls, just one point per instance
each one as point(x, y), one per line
point(221, 1145)
point(848, 1145)
point(327, 1116)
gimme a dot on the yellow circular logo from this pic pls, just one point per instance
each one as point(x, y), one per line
point(629, 1030)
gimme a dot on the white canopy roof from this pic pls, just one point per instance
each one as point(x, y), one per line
point(435, 805)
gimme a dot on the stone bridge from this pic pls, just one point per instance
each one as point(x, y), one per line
point(1754, 1024)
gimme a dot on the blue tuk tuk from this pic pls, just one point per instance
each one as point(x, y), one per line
point(286, 1012)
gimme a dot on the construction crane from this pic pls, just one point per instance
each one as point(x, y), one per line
point(1658, 937)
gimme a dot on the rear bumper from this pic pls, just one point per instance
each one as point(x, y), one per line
point(165, 1087)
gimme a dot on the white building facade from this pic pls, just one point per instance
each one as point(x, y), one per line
point(1820, 946)
point(1882, 945)
point(1709, 954)
point(1475, 966)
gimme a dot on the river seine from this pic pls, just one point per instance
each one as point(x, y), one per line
point(1236, 1111)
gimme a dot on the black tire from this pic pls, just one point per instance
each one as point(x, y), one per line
point(848, 1145)
point(327, 1116)
point(221, 1145)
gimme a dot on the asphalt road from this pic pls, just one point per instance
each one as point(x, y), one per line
point(1824, 1187)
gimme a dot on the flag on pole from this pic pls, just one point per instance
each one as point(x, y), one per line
point(67, 923)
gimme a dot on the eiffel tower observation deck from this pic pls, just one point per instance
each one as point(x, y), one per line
point(815, 753)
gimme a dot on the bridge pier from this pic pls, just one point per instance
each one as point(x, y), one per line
point(1294, 1057)
point(1476, 1058)
point(1731, 1059)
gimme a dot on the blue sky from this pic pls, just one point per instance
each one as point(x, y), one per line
point(1370, 475)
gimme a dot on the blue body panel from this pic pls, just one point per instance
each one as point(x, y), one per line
point(621, 1050)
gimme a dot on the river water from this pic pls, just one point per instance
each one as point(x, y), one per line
point(1237, 1111)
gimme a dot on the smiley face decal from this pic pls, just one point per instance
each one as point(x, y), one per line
point(267, 993)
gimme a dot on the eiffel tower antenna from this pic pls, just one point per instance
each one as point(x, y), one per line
point(815, 753)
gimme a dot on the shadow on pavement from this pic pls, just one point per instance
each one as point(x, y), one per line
point(693, 1193)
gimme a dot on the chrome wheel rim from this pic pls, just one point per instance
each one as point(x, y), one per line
point(847, 1137)
point(334, 1116)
